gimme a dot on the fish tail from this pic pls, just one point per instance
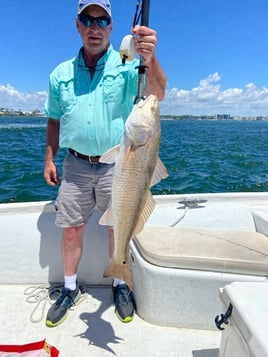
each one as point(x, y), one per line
point(119, 271)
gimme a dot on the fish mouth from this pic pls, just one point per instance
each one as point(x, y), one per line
point(151, 98)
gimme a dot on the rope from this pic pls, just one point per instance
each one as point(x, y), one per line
point(44, 294)
point(180, 218)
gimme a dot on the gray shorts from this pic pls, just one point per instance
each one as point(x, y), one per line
point(84, 187)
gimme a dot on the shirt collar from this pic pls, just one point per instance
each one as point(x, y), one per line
point(101, 62)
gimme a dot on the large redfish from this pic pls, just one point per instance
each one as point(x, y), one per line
point(137, 168)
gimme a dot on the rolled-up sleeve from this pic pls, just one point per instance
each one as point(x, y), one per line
point(52, 106)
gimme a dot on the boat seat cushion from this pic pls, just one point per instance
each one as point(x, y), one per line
point(204, 249)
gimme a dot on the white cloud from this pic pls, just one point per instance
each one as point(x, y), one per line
point(11, 98)
point(208, 98)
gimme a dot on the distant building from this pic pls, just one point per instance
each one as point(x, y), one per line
point(223, 116)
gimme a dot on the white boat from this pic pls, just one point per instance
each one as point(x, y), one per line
point(195, 256)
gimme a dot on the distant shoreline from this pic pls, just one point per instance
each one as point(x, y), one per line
point(162, 117)
point(35, 113)
point(213, 117)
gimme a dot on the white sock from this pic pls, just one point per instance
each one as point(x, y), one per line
point(70, 281)
point(117, 282)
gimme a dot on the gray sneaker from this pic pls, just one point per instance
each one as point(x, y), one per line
point(57, 313)
point(124, 303)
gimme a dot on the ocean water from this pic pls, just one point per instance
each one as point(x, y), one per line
point(200, 156)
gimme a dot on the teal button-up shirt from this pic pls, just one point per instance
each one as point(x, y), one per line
point(92, 111)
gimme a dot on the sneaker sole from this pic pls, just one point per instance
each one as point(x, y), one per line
point(125, 320)
point(51, 324)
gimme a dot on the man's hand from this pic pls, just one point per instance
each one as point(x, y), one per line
point(50, 173)
point(145, 42)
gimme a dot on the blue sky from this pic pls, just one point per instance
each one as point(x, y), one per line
point(214, 52)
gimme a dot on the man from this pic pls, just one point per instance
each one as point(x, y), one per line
point(89, 100)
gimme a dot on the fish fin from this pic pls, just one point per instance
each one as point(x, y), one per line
point(160, 172)
point(107, 218)
point(128, 150)
point(120, 271)
point(110, 156)
point(145, 213)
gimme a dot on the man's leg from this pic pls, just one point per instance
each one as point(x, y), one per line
point(72, 245)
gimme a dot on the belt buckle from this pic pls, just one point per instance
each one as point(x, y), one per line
point(92, 162)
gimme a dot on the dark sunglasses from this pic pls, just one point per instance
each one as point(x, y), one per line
point(102, 21)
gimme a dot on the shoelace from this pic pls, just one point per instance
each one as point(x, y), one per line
point(65, 294)
point(123, 295)
point(42, 293)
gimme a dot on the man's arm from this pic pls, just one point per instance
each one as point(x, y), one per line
point(50, 170)
point(155, 79)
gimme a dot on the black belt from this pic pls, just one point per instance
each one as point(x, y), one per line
point(91, 159)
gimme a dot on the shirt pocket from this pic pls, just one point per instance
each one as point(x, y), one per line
point(113, 87)
point(67, 98)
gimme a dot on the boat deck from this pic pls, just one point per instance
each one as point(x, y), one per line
point(30, 248)
point(92, 329)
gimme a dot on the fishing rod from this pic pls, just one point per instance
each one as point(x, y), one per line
point(127, 48)
point(145, 12)
point(142, 68)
